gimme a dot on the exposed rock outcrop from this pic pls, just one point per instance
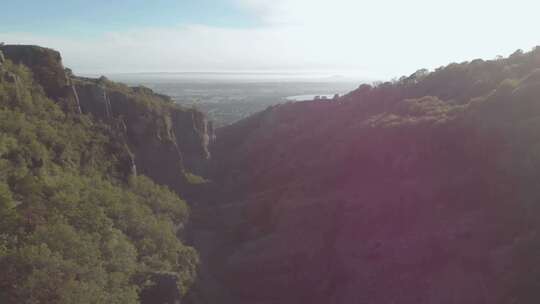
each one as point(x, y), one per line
point(46, 65)
point(193, 133)
point(162, 140)
point(165, 139)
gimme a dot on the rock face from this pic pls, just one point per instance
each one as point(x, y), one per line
point(165, 139)
point(162, 140)
point(46, 65)
point(5, 75)
point(193, 134)
point(422, 191)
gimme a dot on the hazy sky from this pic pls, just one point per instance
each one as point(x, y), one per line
point(368, 38)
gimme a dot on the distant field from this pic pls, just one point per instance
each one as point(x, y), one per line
point(229, 97)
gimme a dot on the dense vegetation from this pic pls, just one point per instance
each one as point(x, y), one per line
point(74, 226)
point(419, 190)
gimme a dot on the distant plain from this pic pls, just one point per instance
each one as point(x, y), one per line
point(230, 96)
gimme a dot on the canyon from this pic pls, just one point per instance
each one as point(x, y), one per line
point(420, 190)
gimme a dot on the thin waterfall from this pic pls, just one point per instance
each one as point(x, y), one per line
point(77, 100)
point(108, 109)
point(133, 166)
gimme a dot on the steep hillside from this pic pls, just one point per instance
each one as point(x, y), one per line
point(167, 141)
point(79, 221)
point(423, 190)
point(47, 70)
point(163, 138)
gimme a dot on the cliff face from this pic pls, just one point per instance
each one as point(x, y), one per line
point(163, 141)
point(384, 196)
point(193, 133)
point(46, 65)
point(158, 133)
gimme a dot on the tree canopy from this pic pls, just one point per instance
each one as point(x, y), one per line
point(73, 228)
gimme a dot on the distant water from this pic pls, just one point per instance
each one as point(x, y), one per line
point(252, 76)
point(309, 97)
